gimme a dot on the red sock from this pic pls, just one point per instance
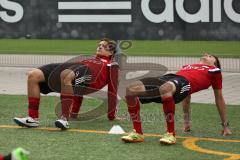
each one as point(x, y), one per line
point(134, 111)
point(66, 101)
point(33, 106)
point(1, 157)
point(7, 157)
point(169, 112)
point(76, 105)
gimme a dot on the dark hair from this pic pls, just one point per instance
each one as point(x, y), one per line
point(111, 44)
point(217, 62)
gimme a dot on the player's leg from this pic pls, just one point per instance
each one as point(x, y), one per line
point(76, 105)
point(145, 90)
point(67, 95)
point(35, 76)
point(173, 91)
point(37, 82)
point(167, 91)
point(134, 90)
point(72, 96)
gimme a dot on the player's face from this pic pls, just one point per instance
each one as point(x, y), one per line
point(208, 59)
point(103, 49)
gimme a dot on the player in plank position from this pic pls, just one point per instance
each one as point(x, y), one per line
point(174, 88)
point(73, 80)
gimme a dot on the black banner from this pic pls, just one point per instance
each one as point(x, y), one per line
point(121, 19)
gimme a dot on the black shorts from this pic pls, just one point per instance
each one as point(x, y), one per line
point(52, 73)
point(152, 85)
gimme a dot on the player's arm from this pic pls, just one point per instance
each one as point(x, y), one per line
point(112, 90)
point(186, 113)
point(220, 103)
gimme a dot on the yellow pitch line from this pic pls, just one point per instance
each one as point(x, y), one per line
point(56, 129)
point(190, 144)
point(106, 132)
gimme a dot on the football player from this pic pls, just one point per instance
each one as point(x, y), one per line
point(174, 88)
point(73, 80)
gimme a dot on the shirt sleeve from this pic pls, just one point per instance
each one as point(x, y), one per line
point(112, 90)
point(216, 80)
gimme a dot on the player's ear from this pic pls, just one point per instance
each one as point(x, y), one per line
point(217, 62)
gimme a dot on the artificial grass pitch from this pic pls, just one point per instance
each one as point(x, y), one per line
point(138, 48)
point(55, 144)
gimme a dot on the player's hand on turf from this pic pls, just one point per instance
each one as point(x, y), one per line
point(186, 127)
point(226, 131)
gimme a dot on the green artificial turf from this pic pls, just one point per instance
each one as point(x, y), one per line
point(61, 145)
point(138, 48)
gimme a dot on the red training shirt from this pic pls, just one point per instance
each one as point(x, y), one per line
point(104, 72)
point(201, 76)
